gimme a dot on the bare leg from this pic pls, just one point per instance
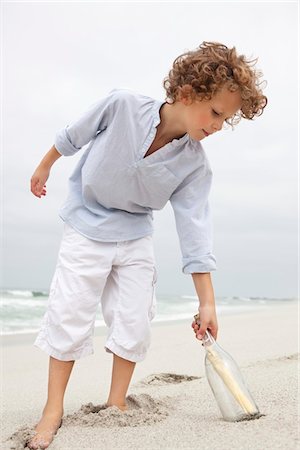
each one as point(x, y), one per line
point(59, 374)
point(121, 375)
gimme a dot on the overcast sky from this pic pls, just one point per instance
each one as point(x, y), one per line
point(59, 58)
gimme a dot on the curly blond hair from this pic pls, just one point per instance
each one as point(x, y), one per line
point(202, 72)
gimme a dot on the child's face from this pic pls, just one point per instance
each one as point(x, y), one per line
point(204, 117)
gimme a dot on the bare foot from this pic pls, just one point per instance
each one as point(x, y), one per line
point(46, 429)
point(121, 407)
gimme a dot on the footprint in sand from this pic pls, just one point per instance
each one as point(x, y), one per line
point(159, 379)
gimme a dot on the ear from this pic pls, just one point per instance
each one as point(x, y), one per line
point(184, 95)
point(184, 99)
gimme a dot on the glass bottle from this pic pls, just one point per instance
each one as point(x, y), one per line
point(227, 384)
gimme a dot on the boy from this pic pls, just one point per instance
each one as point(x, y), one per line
point(142, 153)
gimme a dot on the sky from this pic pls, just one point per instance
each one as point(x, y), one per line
point(58, 58)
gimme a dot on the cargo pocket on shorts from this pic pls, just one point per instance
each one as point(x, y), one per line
point(153, 305)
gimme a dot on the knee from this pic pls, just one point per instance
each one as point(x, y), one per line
point(130, 341)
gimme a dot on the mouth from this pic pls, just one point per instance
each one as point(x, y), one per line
point(205, 132)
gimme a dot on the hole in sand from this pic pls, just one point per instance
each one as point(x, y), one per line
point(142, 410)
point(19, 439)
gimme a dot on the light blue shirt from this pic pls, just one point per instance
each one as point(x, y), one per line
point(114, 189)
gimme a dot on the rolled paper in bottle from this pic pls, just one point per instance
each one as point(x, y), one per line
point(230, 382)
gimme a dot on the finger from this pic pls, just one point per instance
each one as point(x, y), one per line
point(36, 188)
point(35, 192)
point(214, 334)
point(39, 188)
point(201, 332)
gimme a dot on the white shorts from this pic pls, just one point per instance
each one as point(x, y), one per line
point(120, 275)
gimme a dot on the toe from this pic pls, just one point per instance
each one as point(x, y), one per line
point(38, 442)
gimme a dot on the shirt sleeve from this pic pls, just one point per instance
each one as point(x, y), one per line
point(193, 221)
point(81, 131)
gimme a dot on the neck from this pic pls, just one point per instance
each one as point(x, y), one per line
point(171, 127)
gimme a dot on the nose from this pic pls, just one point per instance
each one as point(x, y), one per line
point(217, 125)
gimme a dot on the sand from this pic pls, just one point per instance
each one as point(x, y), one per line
point(170, 402)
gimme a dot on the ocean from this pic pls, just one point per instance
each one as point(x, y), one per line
point(22, 310)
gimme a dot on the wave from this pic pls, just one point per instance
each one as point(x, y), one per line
point(22, 310)
point(16, 293)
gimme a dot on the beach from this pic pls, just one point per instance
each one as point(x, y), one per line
point(170, 402)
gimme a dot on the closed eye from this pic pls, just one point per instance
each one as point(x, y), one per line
point(219, 114)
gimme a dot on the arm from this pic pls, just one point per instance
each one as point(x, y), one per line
point(88, 125)
point(41, 174)
point(194, 227)
point(73, 137)
point(207, 309)
point(193, 222)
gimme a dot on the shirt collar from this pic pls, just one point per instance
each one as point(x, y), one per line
point(156, 119)
point(155, 111)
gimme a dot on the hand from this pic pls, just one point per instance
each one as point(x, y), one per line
point(207, 320)
point(38, 180)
